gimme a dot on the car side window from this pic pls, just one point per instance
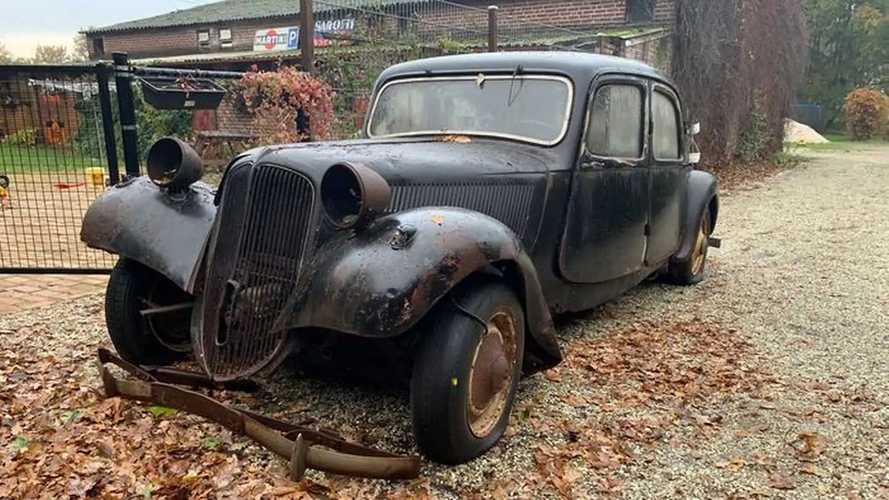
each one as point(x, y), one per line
point(616, 122)
point(666, 127)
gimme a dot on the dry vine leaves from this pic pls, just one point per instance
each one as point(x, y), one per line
point(671, 371)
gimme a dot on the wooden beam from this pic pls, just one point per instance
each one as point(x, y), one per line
point(492, 28)
point(307, 35)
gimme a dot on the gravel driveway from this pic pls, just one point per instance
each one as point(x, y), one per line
point(769, 379)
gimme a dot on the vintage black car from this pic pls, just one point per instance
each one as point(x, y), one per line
point(490, 192)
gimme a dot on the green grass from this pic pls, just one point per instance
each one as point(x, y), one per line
point(837, 137)
point(838, 142)
point(42, 158)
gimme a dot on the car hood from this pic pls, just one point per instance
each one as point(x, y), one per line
point(417, 161)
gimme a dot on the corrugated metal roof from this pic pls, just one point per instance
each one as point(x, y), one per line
point(237, 10)
point(554, 40)
point(256, 57)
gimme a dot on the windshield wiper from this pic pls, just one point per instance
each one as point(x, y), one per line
point(510, 98)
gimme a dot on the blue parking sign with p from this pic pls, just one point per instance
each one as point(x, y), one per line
point(293, 38)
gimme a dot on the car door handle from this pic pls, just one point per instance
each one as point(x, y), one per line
point(607, 164)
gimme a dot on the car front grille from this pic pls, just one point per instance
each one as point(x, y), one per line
point(261, 242)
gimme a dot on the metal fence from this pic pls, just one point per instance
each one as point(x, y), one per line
point(54, 159)
point(433, 23)
point(449, 27)
point(358, 39)
point(809, 114)
point(63, 132)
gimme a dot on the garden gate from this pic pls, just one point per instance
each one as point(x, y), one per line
point(63, 129)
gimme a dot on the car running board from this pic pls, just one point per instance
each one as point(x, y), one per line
point(304, 447)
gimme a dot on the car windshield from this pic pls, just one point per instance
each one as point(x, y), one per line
point(528, 108)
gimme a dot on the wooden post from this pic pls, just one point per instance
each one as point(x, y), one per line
point(307, 35)
point(492, 28)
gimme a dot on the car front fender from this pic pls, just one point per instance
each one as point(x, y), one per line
point(382, 280)
point(166, 232)
point(702, 196)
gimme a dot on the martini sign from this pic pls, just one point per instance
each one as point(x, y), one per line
point(272, 39)
point(287, 38)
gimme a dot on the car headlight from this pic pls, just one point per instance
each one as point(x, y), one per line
point(353, 194)
point(173, 164)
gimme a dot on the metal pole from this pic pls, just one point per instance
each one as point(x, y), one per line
point(307, 35)
point(192, 73)
point(123, 80)
point(492, 28)
point(102, 72)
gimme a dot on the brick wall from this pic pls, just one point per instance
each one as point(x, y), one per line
point(184, 40)
point(517, 17)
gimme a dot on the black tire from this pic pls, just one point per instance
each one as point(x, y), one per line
point(132, 335)
point(443, 369)
point(693, 270)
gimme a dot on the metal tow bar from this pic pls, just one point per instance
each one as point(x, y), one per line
point(302, 446)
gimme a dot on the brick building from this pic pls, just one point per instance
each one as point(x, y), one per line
point(228, 31)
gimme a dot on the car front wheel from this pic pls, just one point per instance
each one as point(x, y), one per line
point(156, 339)
point(466, 372)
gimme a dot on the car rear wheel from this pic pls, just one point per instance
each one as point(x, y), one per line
point(466, 372)
point(158, 339)
point(694, 269)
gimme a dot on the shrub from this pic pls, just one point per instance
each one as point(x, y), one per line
point(152, 124)
point(23, 137)
point(275, 99)
point(755, 140)
point(865, 110)
point(886, 118)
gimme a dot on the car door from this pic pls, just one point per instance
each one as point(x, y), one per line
point(604, 236)
point(668, 170)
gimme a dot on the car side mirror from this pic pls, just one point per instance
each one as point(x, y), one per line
point(694, 129)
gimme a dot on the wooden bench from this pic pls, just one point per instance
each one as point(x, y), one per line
point(217, 147)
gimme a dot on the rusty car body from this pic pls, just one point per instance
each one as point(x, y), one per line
point(490, 191)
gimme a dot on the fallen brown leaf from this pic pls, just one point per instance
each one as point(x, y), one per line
point(781, 481)
point(734, 464)
point(812, 470)
point(812, 445)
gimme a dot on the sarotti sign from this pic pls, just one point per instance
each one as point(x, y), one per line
point(287, 38)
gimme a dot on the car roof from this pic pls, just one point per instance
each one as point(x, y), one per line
point(579, 66)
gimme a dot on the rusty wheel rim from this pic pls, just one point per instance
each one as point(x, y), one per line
point(172, 330)
point(700, 252)
point(491, 376)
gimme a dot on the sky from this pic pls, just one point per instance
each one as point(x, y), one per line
point(26, 23)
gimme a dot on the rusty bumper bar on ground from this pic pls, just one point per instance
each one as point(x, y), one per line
point(303, 446)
